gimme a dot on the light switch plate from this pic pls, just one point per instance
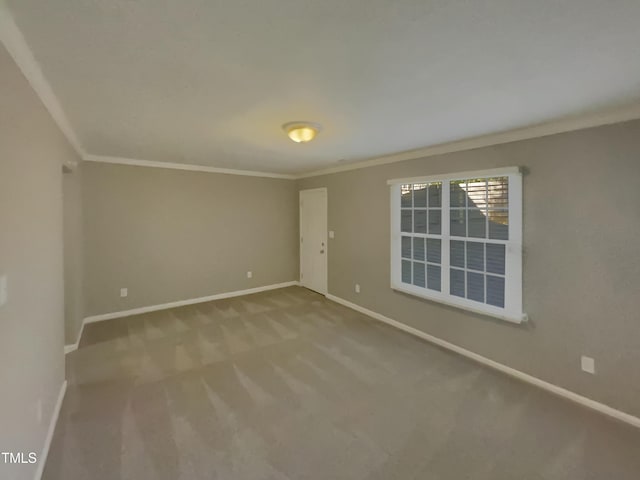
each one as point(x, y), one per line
point(124, 292)
point(332, 234)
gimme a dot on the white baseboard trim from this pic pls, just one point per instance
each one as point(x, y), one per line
point(562, 392)
point(179, 303)
point(42, 458)
point(74, 346)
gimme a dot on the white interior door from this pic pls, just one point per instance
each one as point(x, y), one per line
point(313, 239)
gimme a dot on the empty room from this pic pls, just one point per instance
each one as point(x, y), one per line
point(319, 239)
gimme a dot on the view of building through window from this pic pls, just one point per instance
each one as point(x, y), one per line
point(454, 235)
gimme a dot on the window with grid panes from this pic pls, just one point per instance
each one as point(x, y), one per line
point(457, 239)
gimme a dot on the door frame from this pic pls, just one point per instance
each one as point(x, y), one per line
point(326, 233)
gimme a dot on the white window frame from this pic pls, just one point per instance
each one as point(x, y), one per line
point(512, 310)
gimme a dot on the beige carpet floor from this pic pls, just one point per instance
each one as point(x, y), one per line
point(288, 385)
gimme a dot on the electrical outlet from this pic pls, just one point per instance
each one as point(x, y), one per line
point(357, 288)
point(249, 274)
point(588, 365)
point(332, 234)
point(124, 292)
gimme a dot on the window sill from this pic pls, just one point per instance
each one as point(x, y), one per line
point(462, 304)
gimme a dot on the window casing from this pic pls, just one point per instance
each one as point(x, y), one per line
point(457, 239)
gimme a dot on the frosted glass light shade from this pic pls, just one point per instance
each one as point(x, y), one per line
point(301, 132)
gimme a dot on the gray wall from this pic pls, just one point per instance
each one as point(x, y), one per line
point(170, 235)
point(581, 263)
point(73, 253)
point(32, 151)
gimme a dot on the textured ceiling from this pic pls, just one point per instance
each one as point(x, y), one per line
point(210, 82)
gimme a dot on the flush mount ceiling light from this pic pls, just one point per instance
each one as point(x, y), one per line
point(301, 132)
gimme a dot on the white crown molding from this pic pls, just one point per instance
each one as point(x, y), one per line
point(15, 43)
point(567, 124)
point(182, 166)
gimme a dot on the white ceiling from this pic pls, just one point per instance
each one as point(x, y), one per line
point(210, 82)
